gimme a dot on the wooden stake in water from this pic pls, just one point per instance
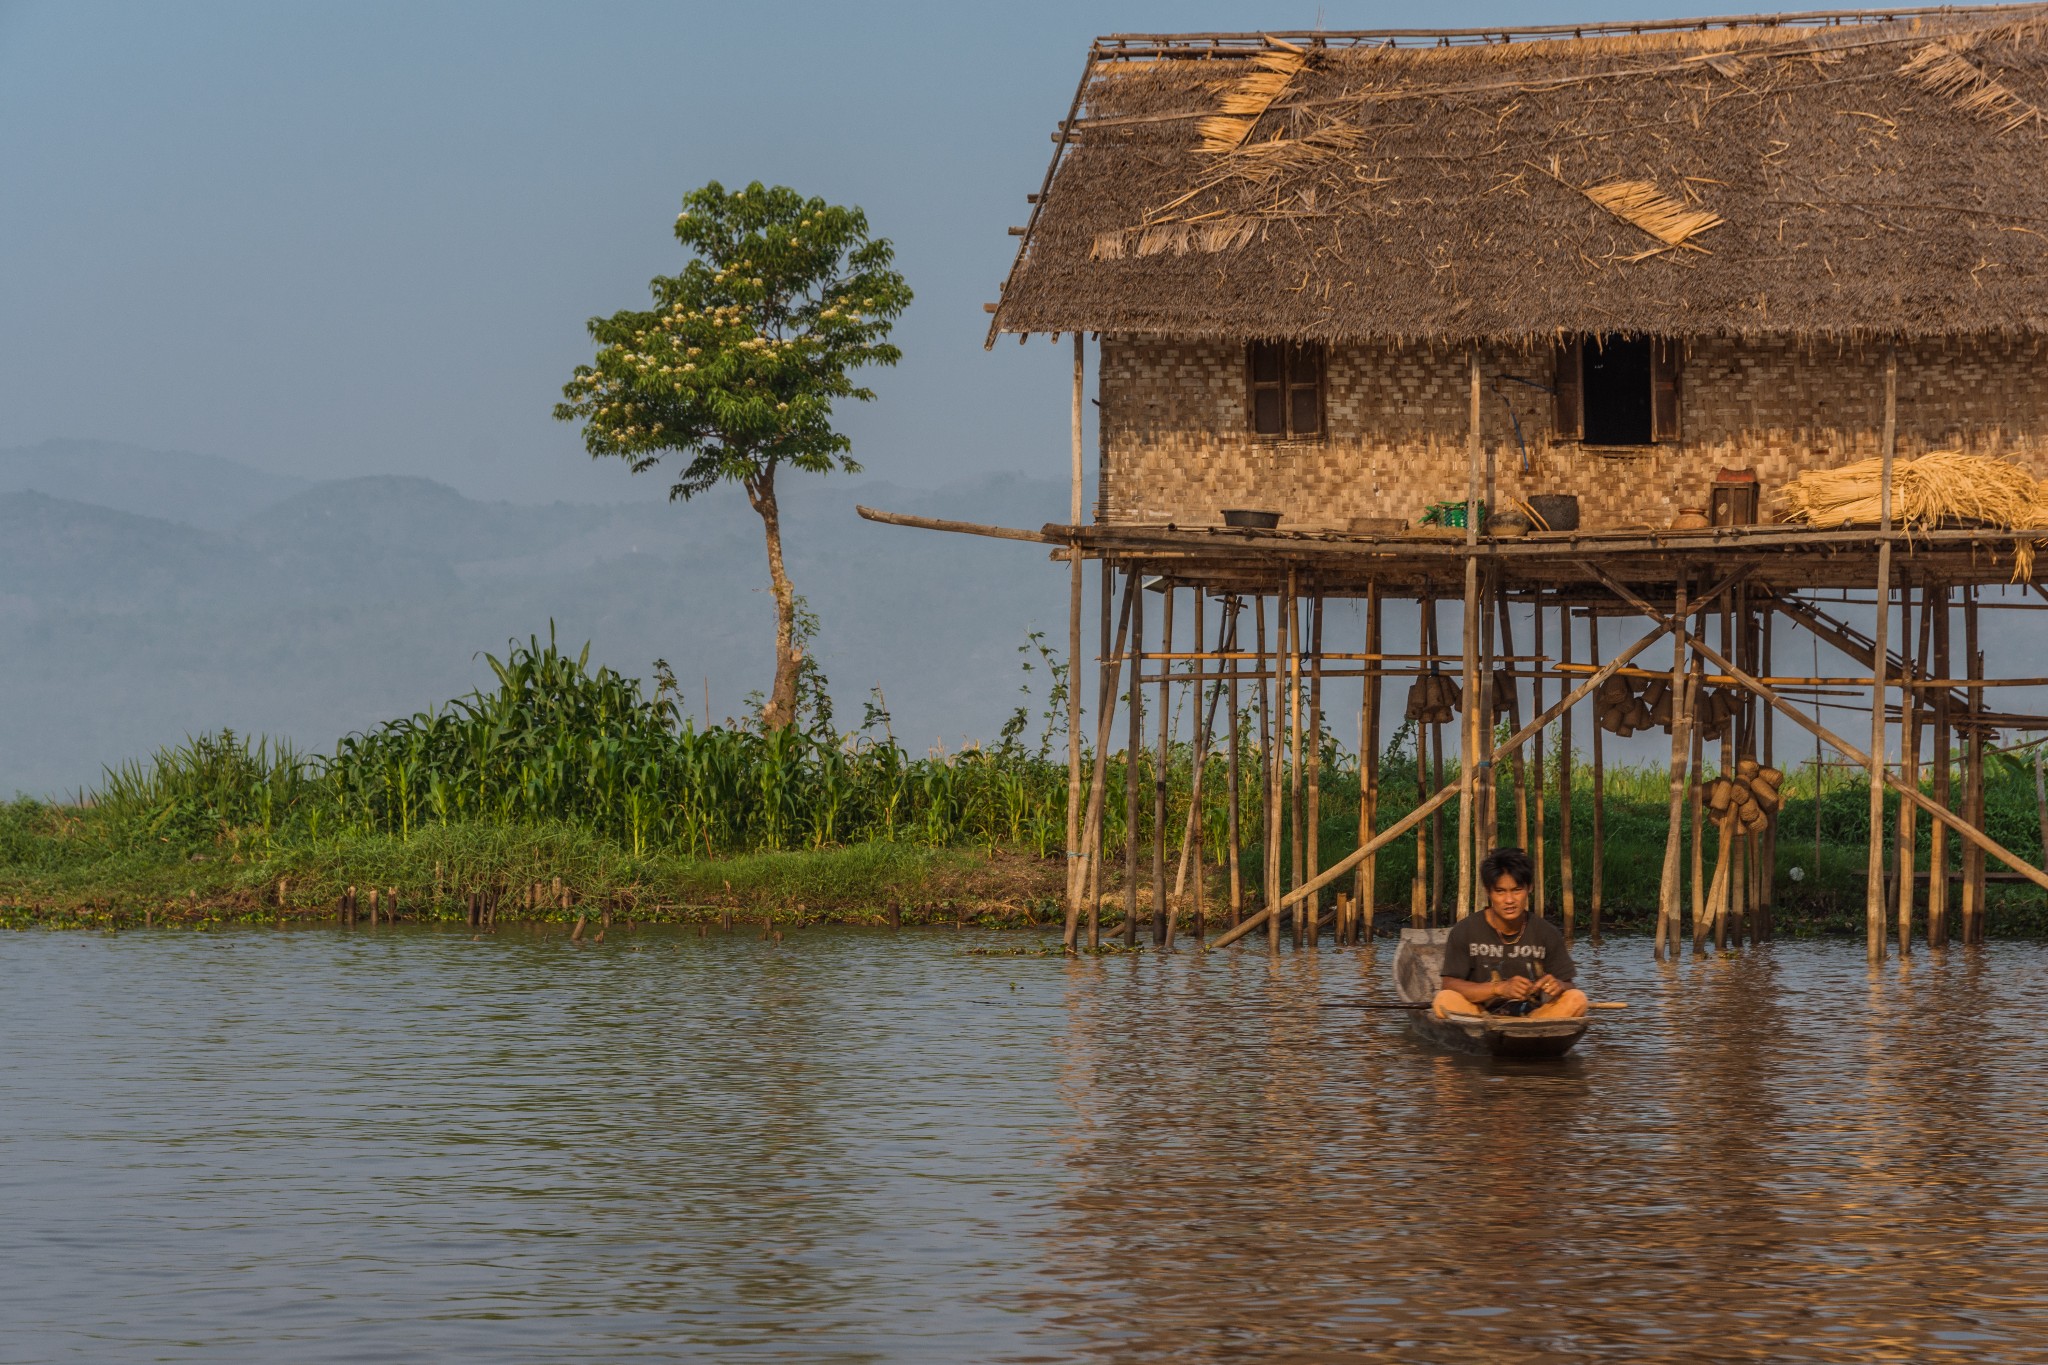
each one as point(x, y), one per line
point(1567, 892)
point(1937, 849)
point(1369, 756)
point(1599, 788)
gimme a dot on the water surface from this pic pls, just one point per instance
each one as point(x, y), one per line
point(851, 1146)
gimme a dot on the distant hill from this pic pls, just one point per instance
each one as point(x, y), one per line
point(326, 607)
point(198, 490)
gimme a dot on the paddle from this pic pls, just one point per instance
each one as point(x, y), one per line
point(1403, 1005)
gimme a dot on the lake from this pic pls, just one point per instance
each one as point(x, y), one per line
point(397, 1145)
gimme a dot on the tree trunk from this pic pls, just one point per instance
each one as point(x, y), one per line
point(780, 711)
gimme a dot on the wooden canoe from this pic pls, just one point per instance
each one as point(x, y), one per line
point(1418, 974)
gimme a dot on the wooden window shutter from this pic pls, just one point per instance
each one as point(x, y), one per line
point(1666, 359)
point(1266, 375)
point(1568, 384)
point(1305, 390)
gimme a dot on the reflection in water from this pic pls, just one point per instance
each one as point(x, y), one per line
point(851, 1147)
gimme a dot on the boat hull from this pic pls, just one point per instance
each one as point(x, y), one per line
point(1418, 969)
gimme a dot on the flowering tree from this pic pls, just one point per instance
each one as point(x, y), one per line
point(734, 369)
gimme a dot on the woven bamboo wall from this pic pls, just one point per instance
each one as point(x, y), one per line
point(1176, 446)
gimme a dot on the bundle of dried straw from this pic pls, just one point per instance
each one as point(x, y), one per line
point(1943, 485)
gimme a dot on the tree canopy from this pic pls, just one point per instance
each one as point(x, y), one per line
point(738, 363)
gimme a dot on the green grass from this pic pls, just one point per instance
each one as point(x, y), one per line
point(578, 776)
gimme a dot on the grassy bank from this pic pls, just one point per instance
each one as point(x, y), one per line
point(569, 792)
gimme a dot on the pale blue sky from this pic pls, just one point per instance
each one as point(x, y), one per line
point(363, 238)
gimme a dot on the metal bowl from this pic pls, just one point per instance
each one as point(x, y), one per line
point(1250, 518)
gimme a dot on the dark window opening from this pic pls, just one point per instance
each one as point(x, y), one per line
point(1286, 388)
point(1617, 391)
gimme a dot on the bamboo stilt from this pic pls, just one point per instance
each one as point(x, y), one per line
point(1312, 821)
point(1287, 784)
point(1470, 762)
point(1539, 793)
point(1270, 799)
point(1566, 889)
point(1767, 901)
point(1234, 808)
point(1910, 698)
point(1725, 921)
point(1105, 713)
point(1076, 866)
point(1973, 776)
point(1937, 841)
point(1430, 862)
point(1599, 793)
point(1162, 913)
point(1518, 763)
point(1487, 817)
point(1205, 718)
point(1694, 685)
point(1874, 898)
point(1367, 888)
point(1134, 751)
point(1674, 834)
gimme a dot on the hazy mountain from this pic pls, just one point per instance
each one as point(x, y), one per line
point(323, 608)
point(199, 490)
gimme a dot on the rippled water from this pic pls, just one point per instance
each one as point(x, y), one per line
point(318, 1145)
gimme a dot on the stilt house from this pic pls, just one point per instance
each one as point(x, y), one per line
point(1366, 281)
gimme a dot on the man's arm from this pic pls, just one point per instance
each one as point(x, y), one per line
point(1481, 992)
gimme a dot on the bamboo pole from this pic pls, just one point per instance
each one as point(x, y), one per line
point(1599, 792)
point(1694, 684)
point(1269, 893)
point(1537, 790)
point(1076, 866)
point(1134, 748)
point(1566, 889)
point(1937, 841)
point(1767, 859)
point(1312, 824)
point(1429, 877)
point(1275, 811)
point(2041, 803)
point(1234, 793)
point(1874, 893)
point(1105, 713)
point(1674, 833)
point(1205, 719)
point(1469, 775)
point(1518, 762)
point(1973, 780)
point(1287, 790)
point(1162, 913)
point(1489, 793)
point(1910, 700)
point(1366, 891)
point(1445, 791)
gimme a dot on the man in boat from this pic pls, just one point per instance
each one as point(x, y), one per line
point(1503, 961)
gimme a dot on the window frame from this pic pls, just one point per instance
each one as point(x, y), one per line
point(1292, 354)
point(1667, 389)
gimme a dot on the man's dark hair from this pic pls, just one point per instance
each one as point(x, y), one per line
point(1508, 862)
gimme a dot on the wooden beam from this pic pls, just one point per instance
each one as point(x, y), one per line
point(1961, 826)
point(971, 528)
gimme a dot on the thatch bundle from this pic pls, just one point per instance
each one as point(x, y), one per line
point(1434, 698)
point(1943, 485)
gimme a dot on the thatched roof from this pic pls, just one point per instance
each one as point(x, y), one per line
point(1825, 176)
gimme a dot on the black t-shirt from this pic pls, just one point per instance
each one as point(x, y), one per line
point(1473, 951)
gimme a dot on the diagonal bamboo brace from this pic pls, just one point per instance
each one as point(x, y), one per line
point(1849, 751)
point(1522, 736)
